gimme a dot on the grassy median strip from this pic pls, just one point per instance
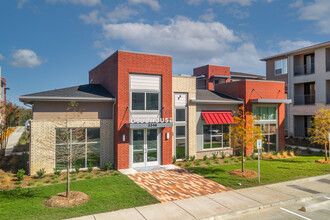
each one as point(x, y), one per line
point(106, 194)
point(272, 171)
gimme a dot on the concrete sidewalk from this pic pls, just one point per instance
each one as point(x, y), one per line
point(13, 140)
point(226, 204)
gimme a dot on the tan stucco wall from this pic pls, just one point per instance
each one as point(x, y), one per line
point(58, 110)
point(42, 145)
point(186, 84)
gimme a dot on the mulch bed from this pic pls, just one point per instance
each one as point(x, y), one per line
point(60, 200)
point(246, 174)
point(322, 161)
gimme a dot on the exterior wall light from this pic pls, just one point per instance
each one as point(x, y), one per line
point(167, 136)
point(123, 137)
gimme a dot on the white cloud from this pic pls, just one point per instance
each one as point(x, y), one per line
point(121, 13)
point(25, 58)
point(91, 18)
point(191, 43)
point(225, 2)
point(152, 3)
point(78, 2)
point(317, 11)
point(208, 15)
point(288, 45)
point(2, 57)
point(21, 3)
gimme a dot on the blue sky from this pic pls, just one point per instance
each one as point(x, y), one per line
point(49, 44)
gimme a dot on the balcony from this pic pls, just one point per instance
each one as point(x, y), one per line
point(308, 99)
point(300, 70)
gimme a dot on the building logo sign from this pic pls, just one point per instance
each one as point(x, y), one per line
point(150, 122)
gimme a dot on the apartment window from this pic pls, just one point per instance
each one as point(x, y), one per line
point(264, 113)
point(180, 115)
point(309, 63)
point(82, 143)
point(216, 136)
point(145, 101)
point(281, 66)
point(180, 141)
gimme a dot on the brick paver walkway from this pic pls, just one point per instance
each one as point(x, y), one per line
point(170, 185)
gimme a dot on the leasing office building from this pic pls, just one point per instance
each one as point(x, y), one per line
point(136, 114)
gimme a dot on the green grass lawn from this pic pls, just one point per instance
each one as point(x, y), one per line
point(106, 194)
point(272, 171)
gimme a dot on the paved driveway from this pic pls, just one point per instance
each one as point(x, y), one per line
point(171, 185)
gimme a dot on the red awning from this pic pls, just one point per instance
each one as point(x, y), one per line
point(218, 117)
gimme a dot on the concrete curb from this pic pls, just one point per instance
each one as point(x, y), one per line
point(303, 180)
point(233, 214)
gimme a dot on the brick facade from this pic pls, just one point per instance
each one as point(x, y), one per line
point(42, 146)
point(256, 89)
point(113, 74)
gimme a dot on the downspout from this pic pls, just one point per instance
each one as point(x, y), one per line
point(113, 132)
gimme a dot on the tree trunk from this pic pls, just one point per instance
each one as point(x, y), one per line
point(243, 159)
point(68, 179)
point(326, 153)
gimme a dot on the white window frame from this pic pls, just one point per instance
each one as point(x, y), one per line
point(85, 143)
point(282, 63)
point(217, 135)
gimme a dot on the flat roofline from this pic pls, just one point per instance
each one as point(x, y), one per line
point(254, 80)
point(29, 99)
point(215, 101)
point(184, 75)
point(155, 54)
point(315, 46)
point(278, 101)
point(210, 65)
point(218, 76)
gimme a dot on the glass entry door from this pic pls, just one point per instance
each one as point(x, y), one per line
point(145, 147)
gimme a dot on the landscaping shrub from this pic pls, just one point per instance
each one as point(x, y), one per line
point(47, 181)
point(216, 160)
point(40, 184)
point(186, 159)
point(90, 167)
point(57, 172)
point(279, 155)
point(18, 182)
point(207, 161)
point(226, 160)
point(20, 174)
point(31, 183)
point(231, 155)
point(77, 167)
point(65, 177)
point(192, 158)
point(107, 165)
point(41, 173)
point(285, 154)
point(292, 153)
point(55, 181)
point(89, 177)
point(55, 177)
point(197, 162)
point(223, 155)
point(236, 160)
point(188, 164)
point(248, 158)
point(174, 159)
point(205, 157)
point(215, 155)
point(179, 164)
point(74, 178)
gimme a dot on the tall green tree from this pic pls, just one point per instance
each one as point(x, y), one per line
point(320, 129)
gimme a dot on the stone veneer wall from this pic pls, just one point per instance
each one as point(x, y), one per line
point(42, 141)
point(186, 84)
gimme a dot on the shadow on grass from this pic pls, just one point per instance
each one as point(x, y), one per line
point(22, 193)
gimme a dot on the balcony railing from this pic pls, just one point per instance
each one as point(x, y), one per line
point(304, 99)
point(304, 69)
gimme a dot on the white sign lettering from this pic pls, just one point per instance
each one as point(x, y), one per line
point(150, 120)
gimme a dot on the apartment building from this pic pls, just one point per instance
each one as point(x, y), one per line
point(306, 73)
point(136, 114)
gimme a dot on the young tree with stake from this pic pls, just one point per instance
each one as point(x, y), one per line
point(244, 134)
